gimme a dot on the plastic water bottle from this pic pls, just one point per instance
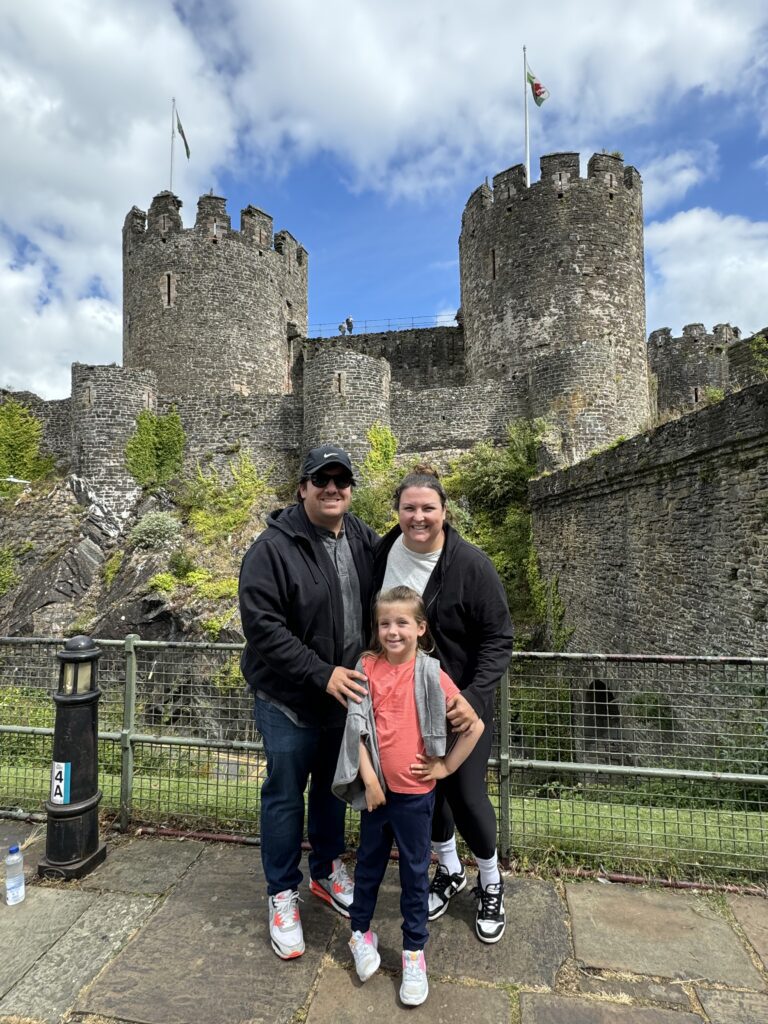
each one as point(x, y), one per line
point(14, 876)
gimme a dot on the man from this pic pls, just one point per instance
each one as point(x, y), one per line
point(304, 585)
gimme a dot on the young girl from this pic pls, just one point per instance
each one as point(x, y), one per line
point(394, 749)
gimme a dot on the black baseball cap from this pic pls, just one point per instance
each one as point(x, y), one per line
point(325, 455)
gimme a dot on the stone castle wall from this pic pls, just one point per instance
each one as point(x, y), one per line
point(660, 545)
point(683, 369)
point(105, 403)
point(455, 418)
point(345, 394)
point(419, 357)
point(208, 307)
point(552, 286)
point(55, 416)
point(219, 427)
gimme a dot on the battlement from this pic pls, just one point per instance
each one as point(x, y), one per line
point(722, 334)
point(212, 223)
point(558, 173)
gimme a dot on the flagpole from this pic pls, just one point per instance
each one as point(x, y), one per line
point(173, 136)
point(527, 136)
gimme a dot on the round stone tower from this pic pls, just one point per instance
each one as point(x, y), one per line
point(345, 393)
point(209, 308)
point(105, 403)
point(552, 288)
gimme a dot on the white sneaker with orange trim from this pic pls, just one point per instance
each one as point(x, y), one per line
point(285, 924)
point(336, 890)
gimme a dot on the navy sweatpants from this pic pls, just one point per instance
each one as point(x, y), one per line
point(406, 818)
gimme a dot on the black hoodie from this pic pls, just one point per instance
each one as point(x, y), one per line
point(467, 613)
point(292, 612)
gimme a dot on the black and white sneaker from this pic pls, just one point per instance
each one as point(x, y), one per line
point(490, 919)
point(442, 889)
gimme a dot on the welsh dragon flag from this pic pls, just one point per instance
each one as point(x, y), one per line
point(540, 92)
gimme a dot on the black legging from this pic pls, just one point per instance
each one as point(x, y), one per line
point(462, 798)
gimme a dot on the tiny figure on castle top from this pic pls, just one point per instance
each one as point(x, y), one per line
point(350, 324)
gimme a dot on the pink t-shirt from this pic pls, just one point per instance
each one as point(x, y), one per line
point(397, 721)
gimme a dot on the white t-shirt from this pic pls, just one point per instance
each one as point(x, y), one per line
point(409, 568)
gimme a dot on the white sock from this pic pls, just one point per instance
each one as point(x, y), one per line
point(447, 855)
point(489, 870)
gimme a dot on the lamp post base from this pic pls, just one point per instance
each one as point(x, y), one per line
point(74, 869)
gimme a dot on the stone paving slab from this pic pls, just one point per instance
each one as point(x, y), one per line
point(12, 831)
point(734, 1007)
point(205, 954)
point(533, 949)
point(341, 999)
point(29, 930)
point(552, 1009)
point(643, 989)
point(752, 914)
point(50, 987)
point(658, 933)
point(144, 865)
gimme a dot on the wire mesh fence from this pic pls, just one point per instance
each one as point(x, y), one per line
point(625, 762)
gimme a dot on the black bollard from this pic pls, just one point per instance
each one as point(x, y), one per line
point(72, 847)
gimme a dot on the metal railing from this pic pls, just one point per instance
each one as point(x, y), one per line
point(652, 763)
point(402, 323)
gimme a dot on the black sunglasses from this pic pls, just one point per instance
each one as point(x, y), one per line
point(342, 480)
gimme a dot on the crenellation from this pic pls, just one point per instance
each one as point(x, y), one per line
point(257, 225)
point(164, 216)
point(557, 169)
point(509, 183)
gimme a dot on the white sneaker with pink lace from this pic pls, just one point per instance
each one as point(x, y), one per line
point(414, 988)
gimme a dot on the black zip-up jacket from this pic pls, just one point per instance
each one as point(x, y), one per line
point(292, 612)
point(467, 613)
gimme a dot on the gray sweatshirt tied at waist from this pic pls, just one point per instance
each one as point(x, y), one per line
point(360, 725)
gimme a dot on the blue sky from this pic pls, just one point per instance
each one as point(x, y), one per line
point(362, 126)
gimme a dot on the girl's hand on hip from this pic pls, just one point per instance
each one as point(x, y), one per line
point(429, 768)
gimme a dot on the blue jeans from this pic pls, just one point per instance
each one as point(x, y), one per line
point(294, 756)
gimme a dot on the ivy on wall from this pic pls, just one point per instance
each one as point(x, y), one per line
point(154, 453)
point(20, 435)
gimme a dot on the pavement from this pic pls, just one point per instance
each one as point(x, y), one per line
point(171, 931)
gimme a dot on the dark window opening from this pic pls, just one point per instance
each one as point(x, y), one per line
point(493, 264)
point(601, 715)
point(168, 289)
point(695, 394)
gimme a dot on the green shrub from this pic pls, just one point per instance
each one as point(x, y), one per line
point(154, 453)
point(713, 395)
point(163, 582)
point(181, 563)
point(758, 346)
point(155, 529)
point(378, 478)
point(20, 435)
point(112, 567)
point(9, 577)
point(489, 485)
point(217, 509)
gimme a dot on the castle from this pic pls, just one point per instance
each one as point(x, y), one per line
point(551, 324)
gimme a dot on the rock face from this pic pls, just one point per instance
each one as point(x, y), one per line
point(60, 541)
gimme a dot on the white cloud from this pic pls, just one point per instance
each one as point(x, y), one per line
point(413, 96)
point(668, 178)
point(707, 268)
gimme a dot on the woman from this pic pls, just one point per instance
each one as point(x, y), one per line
point(469, 619)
